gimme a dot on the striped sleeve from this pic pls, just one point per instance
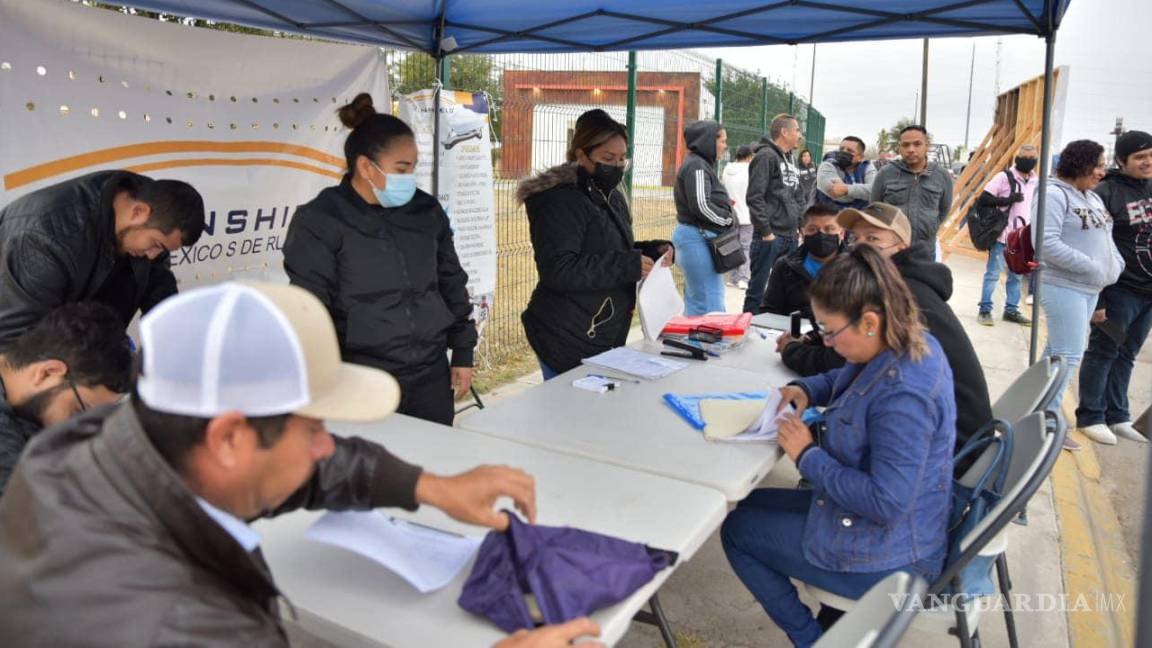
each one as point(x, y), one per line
point(702, 201)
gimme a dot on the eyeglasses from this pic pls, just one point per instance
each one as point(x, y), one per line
point(75, 392)
point(625, 163)
point(828, 337)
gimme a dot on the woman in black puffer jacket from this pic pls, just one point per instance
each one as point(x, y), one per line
point(586, 257)
point(378, 253)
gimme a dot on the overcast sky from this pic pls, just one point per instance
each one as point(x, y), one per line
point(863, 87)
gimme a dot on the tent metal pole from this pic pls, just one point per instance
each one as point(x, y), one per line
point(436, 137)
point(924, 88)
point(1041, 190)
point(630, 122)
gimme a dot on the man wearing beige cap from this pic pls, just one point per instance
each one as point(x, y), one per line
point(128, 525)
point(887, 229)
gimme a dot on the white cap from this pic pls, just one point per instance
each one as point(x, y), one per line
point(261, 349)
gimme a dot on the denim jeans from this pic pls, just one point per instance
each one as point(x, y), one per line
point(744, 272)
point(1107, 367)
point(1067, 312)
point(703, 286)
point(764, 255)
point(548, 372)
point(996, 265)
point(763, 538)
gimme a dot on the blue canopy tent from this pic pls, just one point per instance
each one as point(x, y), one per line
point(442, 28)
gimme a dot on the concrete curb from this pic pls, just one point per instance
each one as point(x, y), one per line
point(1099, 575)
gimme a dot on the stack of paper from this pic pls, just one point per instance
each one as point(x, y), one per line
point(657, 299)
point(425, 557)
point(636, 363)
point(741, 420)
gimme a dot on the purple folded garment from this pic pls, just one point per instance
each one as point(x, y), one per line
point(571, 573)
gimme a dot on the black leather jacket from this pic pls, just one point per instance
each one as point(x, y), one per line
point(58, 246)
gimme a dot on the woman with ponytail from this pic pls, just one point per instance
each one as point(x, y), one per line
point(881, 477)
point(378, 253)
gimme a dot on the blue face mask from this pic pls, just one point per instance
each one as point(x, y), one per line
point(398, 188)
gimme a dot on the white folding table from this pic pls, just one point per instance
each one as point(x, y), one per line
point(757, 354)
point(632, 427)
point(349, 600)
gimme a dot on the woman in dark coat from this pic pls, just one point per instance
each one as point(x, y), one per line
point(378, 253)
point(586, 258)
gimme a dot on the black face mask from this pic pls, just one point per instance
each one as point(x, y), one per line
point(607, 176)
point(1025, 164)
point(842, 159)
point(821, 245)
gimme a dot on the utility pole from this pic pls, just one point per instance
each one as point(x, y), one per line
point(812, 83)
point(968, 119)
point(916, 107)
point(924, 88)
point(1117, 132)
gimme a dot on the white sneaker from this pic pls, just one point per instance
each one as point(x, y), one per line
point(1099, 433)
point(1126, 430)
point(1028, 300)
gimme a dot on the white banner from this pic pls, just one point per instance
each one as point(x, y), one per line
point(465, 181)
point(248, 120)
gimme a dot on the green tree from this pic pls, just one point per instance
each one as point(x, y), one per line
point(894, 133)
point(883, 142)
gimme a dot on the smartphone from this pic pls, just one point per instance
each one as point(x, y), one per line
point(797, 318)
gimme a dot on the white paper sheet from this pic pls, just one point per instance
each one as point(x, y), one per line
point(658, 300)
point(636, 363)
point(427, 558)
point(726, 416)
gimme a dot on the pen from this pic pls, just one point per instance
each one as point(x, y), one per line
point(603, 377)
point(425, 527)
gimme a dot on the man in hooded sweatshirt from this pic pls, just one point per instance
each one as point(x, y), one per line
point(920, 188)
point(703, 211)
point(775, 203)
point(1127, 304)
point(887, 229)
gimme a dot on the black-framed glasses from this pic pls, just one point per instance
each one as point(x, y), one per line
point(828, 337)
point(76, 392)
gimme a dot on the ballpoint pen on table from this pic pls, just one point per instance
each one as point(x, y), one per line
point(396, 520)
point(604, 377)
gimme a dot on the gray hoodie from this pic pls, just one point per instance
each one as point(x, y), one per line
point(1079, 252)
point(925, 198)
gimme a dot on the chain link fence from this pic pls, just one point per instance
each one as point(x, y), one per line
point(535, 100)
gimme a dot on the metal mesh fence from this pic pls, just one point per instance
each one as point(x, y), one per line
point(535, 100)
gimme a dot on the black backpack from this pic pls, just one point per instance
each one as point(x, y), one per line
point(986, 222)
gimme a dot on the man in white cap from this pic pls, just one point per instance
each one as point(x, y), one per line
point(127, 526)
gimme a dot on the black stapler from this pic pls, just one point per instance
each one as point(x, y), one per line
point(689, 351)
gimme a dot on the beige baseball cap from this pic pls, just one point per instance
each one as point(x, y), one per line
point(881, 215)
point(263, 349)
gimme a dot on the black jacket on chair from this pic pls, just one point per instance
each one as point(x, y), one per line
point(389, 277)
point(58, 246)
point(588, 265)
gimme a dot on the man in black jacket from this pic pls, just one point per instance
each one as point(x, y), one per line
point(103, 237)
point(77, 357)
point(887, 229)
point(774, 202)
point(788, 290)
point(1127, 304)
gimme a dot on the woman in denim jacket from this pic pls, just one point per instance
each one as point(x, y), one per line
point(881, 480)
